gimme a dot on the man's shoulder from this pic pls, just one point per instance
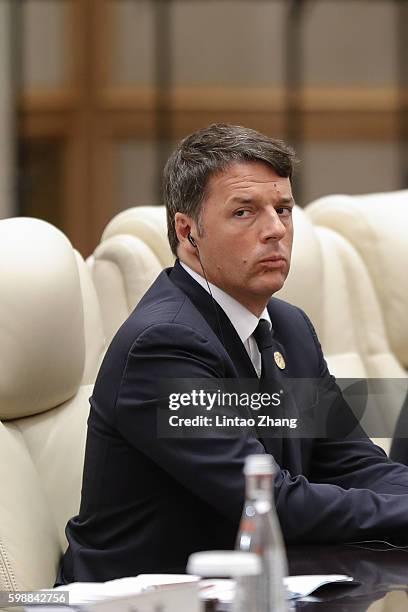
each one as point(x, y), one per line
point(166, 309)
point(164, 335)
point(289, 320)
point(160, 304)
point(281, 312)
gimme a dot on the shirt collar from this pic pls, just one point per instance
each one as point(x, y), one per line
point(241, 318)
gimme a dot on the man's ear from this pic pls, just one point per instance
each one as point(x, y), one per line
point(184, 225)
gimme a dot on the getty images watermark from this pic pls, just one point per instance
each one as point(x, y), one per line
point(299, 408)
point(219, 407)
point(211, 401)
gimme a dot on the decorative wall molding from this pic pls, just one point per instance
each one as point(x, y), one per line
point(325, 112)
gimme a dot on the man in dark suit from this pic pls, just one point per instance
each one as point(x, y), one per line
point(150, 501)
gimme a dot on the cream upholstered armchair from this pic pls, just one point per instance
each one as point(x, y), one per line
point(376, 225)
point(51, 343)
point(132, 252)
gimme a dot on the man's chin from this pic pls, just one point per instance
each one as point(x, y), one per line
point(269, 286)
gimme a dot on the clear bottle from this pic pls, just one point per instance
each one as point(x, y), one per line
point(245, 568)
point(260, 532)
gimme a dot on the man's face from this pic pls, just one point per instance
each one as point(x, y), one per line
point(246, 233)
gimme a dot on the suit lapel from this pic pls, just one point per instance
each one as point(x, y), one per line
point(221, 326)
point(285, 447)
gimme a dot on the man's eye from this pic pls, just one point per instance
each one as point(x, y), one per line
point(242, 213)
point(284, 212)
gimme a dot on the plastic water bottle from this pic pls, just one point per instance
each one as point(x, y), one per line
point(260, 532)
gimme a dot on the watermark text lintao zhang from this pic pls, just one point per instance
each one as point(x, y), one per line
point(260, 420)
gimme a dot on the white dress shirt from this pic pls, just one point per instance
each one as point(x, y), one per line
point(241, 318)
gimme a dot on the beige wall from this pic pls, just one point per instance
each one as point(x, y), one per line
point(348, 167)
point(242, 42)
point(6, 121)
point(348, 46)
point(43, 31)
point(351, 42)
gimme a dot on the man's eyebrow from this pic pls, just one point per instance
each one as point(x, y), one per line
point(249, 199)
point(242, 199)
point(286, 201)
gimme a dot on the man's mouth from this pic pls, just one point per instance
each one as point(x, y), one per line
point(273, 262)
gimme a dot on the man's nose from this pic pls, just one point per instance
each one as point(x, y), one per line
point(272, 226)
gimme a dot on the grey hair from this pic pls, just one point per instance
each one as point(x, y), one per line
point(208, 151)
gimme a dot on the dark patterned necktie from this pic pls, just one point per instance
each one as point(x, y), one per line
point(264, 338)
point(271, 381)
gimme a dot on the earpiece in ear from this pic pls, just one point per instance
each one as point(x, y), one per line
point(192, 241)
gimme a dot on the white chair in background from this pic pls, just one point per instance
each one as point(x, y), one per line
point(377, 226)
point(51, 342)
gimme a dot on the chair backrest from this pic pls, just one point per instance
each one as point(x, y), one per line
point(44, 405)
point(377, 227)
point(122, 268)
point(149, 224)
point(330, 281)
point(95, 338)
point(132, 252)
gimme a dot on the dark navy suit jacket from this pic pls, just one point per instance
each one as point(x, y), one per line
point(147, 503)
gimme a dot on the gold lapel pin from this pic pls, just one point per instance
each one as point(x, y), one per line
point(279, 360)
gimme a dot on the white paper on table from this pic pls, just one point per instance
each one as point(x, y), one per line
point(297, 586)
point(301, 586)
point(82, 594)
